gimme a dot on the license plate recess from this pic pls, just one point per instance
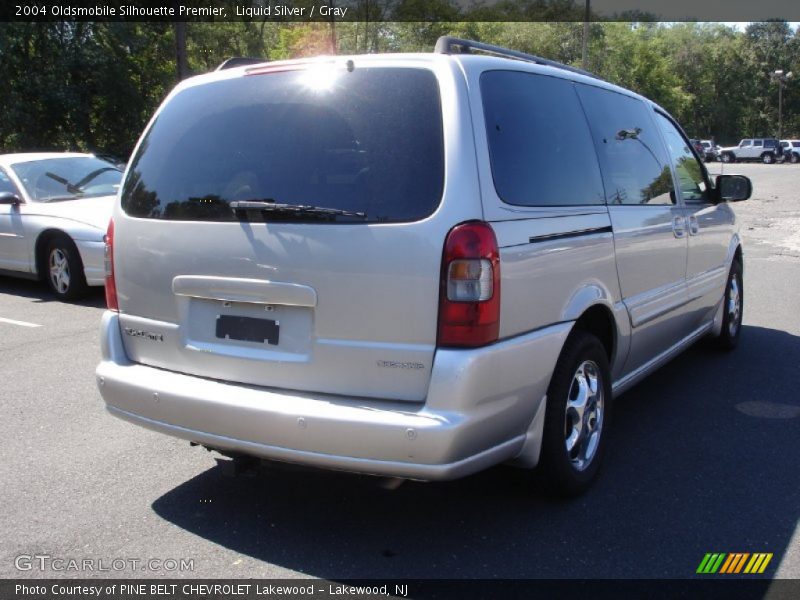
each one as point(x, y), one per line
point(248, 329)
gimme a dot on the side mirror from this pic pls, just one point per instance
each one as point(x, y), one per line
point(733, 188)
point(10, 198)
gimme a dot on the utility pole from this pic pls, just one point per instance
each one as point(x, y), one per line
point(585, 49)
point(181, 64)
point(333, 28)
point(781, 78)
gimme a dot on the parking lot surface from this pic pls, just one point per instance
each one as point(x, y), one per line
point(703, 458)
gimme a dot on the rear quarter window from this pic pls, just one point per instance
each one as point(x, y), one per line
point(366, 141)
point(539, 143)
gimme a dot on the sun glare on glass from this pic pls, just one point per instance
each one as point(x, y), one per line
point(320, 79)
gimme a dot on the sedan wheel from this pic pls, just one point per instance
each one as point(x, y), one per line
point(64, 269)
point(59, 271)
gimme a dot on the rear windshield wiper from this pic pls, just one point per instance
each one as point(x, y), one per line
point(296, 209)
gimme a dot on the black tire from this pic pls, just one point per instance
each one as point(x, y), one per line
point(794, 158)
point(768, 158)
point(728, 337)
point(561, 473)
point(63, 269)
point(726, 157)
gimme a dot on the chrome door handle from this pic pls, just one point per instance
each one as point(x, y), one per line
point(679, 226)
point(694, 225)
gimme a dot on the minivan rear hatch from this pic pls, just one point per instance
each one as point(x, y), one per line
point(276, 230)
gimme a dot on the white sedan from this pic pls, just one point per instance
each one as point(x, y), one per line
point(54, 212)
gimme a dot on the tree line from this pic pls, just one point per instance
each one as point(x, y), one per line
point(93, 85)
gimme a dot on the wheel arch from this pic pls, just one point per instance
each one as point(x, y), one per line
point(598, 319)
point(592, 308)
point(735, 251)
point(735, 254)
point(40, 249)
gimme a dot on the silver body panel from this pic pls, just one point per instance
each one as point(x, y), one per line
point(358, 299)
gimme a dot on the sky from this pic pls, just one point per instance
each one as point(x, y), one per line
point(740, 25)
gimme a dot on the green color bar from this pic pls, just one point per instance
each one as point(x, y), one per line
point(713, 568)
point(701, 568)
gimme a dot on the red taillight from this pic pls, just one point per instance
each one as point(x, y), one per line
point(469, 298)
point(111, 285)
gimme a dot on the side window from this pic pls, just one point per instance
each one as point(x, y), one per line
point(6, 185)
point(758, 143)
point(635, 169)
point(746, 143)
point(690, 174)
point(539, 142)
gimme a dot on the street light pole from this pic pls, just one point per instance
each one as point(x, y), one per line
point(781, 78)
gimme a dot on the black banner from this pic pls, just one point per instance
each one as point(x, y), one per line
point(732, 587)
point(400, 10)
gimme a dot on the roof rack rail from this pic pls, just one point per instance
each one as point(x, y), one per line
point(240, 61)
point(453, 45)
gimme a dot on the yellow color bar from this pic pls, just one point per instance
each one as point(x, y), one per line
point(751, 564)
point(768, 557)
point(758, 563)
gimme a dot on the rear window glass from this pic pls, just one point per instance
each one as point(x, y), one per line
point(367, 141)
point(539, 142)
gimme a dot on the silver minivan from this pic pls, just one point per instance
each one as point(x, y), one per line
point(415, 266)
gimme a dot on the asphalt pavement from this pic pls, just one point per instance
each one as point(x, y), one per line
point(703, 458)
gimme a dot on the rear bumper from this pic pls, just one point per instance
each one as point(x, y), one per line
point(478, 412)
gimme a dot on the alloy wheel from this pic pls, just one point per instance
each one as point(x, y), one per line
point(734, 307)
point(59, 271)
point(583, 419)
